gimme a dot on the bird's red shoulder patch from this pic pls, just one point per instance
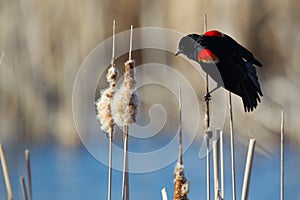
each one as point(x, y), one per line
point(206, 56)
point(214, 33)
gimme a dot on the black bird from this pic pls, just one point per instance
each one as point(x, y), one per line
point(227, 62)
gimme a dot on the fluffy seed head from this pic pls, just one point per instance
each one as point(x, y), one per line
point(112, 75)
point(126, 101)
point(103, 104)
point(103, 110)
point(181, 184)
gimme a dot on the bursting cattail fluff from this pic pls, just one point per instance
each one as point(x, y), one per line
point(103, 104)
point(181, 184)
point(126, 101)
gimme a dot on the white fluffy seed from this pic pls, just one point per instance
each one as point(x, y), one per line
point(126, 101)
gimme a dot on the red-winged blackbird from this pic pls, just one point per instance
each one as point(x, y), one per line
point(227, 62)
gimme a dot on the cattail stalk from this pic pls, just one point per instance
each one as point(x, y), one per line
point(208, 134)
point(216, 166)
point(125, 105)
point(110, 164)
point(28, 169)
point(181, 184)
point(222, 164)
point(113, 44)
point(130, 43)
point(24, 191)
point(282, 157)
point(104, 113)
point(207, 117)
point(207, 124)
point(180, 129)
point(232, 148)
point(126, 129)
point(248, 168)
point(2, 57)
point(125, 186)
point(112, 126)
point(164, 194)
point(5, 173)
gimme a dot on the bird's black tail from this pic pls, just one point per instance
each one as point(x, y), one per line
point(250, 95)
point(250, 89)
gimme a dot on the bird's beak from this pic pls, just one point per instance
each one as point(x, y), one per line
point(179, 51)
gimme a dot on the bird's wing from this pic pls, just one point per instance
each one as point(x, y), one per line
point(253, 77)
point(242, 51)
point(248, 69)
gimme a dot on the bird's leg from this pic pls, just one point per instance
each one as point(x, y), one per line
point(207, 96)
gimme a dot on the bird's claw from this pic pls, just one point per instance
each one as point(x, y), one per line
point(207, 97)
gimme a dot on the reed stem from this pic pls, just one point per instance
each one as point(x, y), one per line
point(110, 165)
point(248, 168)
point(232, 148)
point(113, 44)
point(216, 166)
point(207, 122)
point(2, 57)
point(222, 164)
point(5, 173)
point(112, 126)
point(282, 157)
point(28, 169)
point(24, 191)
point(125, 186)
point(130, 44)
point(180, 129)
point(164, 194)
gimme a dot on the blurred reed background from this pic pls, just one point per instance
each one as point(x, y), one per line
point(45, 42)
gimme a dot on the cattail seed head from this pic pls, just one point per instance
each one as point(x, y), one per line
point(181, 184)
point(103, 107)
point(126, 101)
point(112, 75)
point(103, 104)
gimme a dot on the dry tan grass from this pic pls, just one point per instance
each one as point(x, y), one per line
point(45, 42)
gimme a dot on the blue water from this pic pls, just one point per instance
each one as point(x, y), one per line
point(64, 173)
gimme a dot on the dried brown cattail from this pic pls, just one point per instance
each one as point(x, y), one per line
point(181, 184)
point(103, 108)
point(124, 110)
point(126, 100)
point(103, 105)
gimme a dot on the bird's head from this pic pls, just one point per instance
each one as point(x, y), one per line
point(214, 33)
point(187, 45)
